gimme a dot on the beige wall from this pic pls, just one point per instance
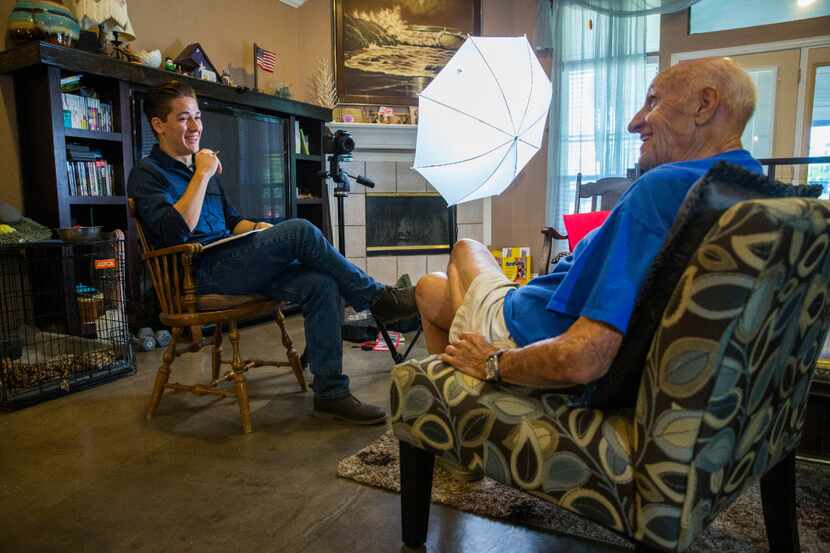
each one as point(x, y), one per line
point(675, 37)
point(227, 31)
point(519, 213)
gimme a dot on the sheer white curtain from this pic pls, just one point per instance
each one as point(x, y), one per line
point(600, 73)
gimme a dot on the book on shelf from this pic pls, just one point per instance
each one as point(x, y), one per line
point(300, 140)
point(303, 143)
point(86, 113)
point(71, 83)
point(88, 173)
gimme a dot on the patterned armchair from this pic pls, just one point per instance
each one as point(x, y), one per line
point(720, 405)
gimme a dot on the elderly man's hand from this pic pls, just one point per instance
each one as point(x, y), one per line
point(469, 355)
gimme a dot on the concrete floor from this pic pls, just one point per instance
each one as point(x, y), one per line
point(87, 473)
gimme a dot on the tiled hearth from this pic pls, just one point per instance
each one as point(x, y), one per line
point(385, 154)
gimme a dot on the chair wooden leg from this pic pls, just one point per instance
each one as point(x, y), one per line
point(163, 374)
point(293, 356)
point(216, 352)
point(416, 491)
point(778, 498)
point(240, 384)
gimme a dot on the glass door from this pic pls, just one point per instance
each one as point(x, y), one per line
point(771, 130)
point(816, 121)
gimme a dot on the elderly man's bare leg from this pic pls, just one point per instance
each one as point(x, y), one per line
point(439, 295)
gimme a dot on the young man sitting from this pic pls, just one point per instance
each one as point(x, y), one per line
point(179, 199)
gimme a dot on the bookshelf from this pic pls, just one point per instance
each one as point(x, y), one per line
point(47, 142)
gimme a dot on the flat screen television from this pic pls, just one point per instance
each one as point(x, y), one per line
point(252, 148)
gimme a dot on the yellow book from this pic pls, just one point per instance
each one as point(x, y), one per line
point(515, 263)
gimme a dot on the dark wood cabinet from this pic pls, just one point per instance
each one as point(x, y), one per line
point(37, 69)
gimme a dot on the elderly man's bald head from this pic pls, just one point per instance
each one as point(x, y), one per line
point(694, 110)
point(736, 88)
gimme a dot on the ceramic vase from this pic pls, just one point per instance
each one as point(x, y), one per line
point(43, 20)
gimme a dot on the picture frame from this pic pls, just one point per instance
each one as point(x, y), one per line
point(387, 51)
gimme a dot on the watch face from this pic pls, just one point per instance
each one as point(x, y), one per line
point(490, 368)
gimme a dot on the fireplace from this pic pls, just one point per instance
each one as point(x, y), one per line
point(385, 153)
point(408, 223)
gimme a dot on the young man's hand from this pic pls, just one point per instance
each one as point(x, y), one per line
point(207, 163)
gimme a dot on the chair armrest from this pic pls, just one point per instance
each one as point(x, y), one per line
point(553, 234)
point(192, 249)
point(550, 235)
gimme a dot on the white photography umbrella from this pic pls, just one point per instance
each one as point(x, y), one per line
point(482, 118)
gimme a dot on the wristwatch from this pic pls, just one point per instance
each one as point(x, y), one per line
point(492, 373)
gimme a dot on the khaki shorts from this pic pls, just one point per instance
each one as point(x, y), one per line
point(483, 310)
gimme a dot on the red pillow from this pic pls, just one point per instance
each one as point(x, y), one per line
point(577, 225)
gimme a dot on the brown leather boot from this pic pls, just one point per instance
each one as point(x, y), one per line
point(395, 304)
point(349, 409)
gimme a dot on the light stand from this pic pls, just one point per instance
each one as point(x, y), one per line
point(341, 192)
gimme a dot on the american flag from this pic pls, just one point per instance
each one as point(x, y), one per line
point(265, 59)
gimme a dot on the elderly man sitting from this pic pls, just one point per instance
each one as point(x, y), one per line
point(566, 327)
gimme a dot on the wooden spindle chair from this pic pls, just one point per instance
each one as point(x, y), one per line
point(182, 309)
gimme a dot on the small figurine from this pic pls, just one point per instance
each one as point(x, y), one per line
point(226, 79)
point(169, 65)
point(205, 74)
point(283, 92)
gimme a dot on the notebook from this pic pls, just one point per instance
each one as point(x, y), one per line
point(231, 238)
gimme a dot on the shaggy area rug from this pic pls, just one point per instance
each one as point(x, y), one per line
point(739, 529)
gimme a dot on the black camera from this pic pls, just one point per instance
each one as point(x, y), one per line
point(340, 143)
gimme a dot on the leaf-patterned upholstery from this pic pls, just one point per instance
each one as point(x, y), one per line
point(722, 396)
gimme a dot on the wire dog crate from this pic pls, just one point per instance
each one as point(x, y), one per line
point(63, 323)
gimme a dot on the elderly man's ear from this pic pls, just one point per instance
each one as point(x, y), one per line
point(707, 106)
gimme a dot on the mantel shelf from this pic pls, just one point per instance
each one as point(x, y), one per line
point(372, 136)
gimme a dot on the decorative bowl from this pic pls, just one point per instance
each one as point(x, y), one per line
point(43, 20)
point(79, 234)
point(150, 59)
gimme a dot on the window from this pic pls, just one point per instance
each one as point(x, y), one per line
point(820, 130)
point(580, 143)
point(758, 134)
point(716, 15)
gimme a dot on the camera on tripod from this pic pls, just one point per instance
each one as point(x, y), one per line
point(340, 146)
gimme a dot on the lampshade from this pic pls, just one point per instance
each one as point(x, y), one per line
point(111, 15)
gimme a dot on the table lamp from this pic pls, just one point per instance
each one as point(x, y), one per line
point(109, 19)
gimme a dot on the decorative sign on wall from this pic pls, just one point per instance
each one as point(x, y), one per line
point(387, 51)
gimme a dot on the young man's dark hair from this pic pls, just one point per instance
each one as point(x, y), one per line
point(160, 98)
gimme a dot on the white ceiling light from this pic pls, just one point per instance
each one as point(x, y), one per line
point(805, 3)
point(297, 3)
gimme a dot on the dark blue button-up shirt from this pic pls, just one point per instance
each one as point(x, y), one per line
point(157, 182)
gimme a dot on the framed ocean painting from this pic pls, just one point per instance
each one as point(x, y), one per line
point(388, 51)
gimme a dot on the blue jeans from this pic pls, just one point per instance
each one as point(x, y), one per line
point(293, 261)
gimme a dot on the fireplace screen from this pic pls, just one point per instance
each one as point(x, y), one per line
point(413, 223)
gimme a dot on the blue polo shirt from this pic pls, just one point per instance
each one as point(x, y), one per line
point(602, 278)
point(157, 182)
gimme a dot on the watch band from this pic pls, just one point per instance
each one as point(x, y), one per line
point(492, 366)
